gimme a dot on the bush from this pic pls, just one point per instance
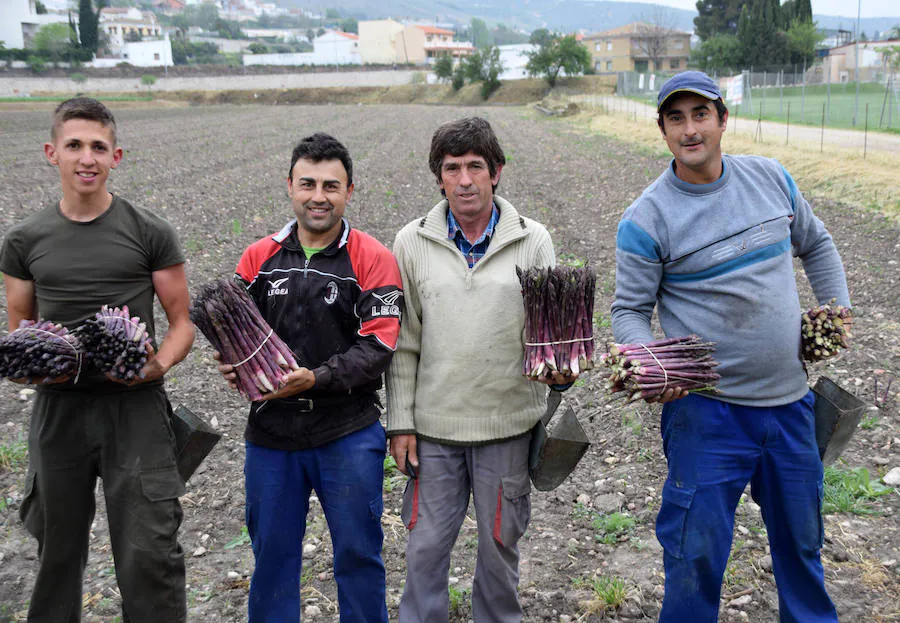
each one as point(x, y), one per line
point(443, 68)
point(459, 77)
point(36, 64)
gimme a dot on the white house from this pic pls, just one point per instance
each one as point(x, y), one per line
point(20, 21)
point(154, 53)
point(121, 24)
point(331, 48)
point(336, 47)
point(513, 58)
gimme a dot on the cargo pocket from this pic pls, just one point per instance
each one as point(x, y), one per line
point(671, 523)
point(409, 513)
point(162, 484)
point(32, 511)
point(513, 509)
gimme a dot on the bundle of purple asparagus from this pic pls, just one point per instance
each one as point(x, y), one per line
point(39, 350)
point(559, 311)
point(232, 323)
point(824, 330)
point(644, 371)
point(115, 343)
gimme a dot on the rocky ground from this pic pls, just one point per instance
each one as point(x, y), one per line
point(590, 553)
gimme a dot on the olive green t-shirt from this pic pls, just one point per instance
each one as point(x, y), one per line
point(77, 267)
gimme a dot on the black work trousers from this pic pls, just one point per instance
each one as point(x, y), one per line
point(126, 439)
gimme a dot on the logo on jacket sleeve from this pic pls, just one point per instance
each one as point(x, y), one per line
point(277, 287)
point(389, 305)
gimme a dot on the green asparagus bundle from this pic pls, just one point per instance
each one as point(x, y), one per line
point(645, 371)
point(824, 330)
point(559, 311)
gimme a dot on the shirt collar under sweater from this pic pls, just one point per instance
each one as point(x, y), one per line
point(473, 251)
point(509, 228)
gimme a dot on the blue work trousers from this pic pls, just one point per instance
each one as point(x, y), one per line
point(713, 450)
point(346, 475)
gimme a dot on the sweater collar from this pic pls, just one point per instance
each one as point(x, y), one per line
point(700, 189)
point(510, 226)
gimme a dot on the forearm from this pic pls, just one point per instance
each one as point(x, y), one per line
point(826, 275)
point(362, 363)
point(175, 345)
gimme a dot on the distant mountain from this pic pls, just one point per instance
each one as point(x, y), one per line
point(868, 25)
point(562, 15)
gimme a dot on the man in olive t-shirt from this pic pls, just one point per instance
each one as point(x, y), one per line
point(63, 264)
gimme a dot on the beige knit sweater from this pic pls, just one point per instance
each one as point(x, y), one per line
point(456, 376)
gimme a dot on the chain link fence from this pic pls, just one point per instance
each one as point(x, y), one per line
point(796, 95)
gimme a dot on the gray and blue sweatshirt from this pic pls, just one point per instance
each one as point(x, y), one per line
point(717, 260)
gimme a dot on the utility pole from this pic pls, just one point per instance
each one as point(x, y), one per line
point(856, 47)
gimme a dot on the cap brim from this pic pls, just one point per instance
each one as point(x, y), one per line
point(707, 94)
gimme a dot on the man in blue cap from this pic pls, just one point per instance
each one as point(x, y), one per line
point(710, 244)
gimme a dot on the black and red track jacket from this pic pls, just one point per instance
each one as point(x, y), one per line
point(339, 312)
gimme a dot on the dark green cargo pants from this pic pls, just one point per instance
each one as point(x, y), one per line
point(126, 439)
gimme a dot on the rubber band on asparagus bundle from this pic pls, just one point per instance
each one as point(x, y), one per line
point(254, 353)
point(646, 370)
point(581, 339)
point(661, 366)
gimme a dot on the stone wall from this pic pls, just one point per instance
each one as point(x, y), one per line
point(23, 86)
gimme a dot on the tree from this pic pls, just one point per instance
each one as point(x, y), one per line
point(350, 24)
point(88, 24)
point(803, 37)
point(718, 54)
point(332, 14)
point(258, 48)
point(443, 68)
point(40, 8)
point(53, 40)
point(763, 43)
point(483, 66)
point(717, 17)
point(555, 55)
point(459, 77)
point(652, 36)
point(481, 36)
point(541, 37)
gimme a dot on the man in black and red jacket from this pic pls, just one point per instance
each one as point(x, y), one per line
point(333, 294)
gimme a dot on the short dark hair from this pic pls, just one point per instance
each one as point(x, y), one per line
point(471, 134)
point(721, 109)
point(318, 147)
point(82, 108)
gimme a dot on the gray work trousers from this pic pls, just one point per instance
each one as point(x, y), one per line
point(126, 439)
point(434, 507)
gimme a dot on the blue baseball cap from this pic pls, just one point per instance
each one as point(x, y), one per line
point(691, 82)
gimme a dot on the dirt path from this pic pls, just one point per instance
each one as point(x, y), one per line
point(769, 131)
point(217, 173)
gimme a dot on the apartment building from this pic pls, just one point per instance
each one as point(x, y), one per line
point(639, 47)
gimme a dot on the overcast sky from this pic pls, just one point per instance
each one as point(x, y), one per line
point(843, 8)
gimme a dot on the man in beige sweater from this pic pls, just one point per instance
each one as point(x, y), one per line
point(459, 409)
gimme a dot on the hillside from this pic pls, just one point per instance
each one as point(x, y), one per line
point(564, 15)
